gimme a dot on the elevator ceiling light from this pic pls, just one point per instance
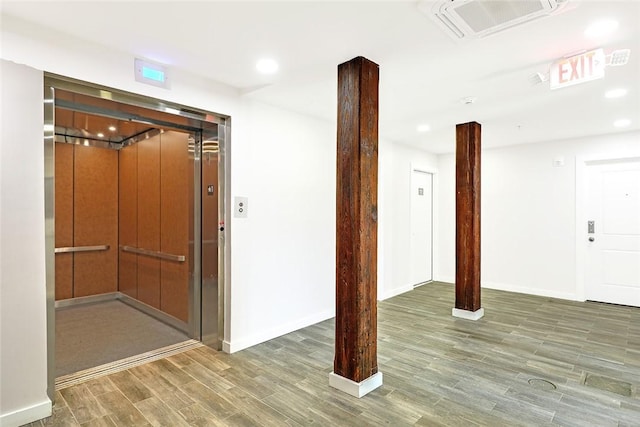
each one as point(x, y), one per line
point(423, 128)
point(615, 93)
point(601, 28)
point(622, 123)
point(267, 66)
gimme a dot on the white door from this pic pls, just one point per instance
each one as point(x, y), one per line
point(421, 215)
point(613, 239)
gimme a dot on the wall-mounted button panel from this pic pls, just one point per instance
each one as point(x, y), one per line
point(240, 207)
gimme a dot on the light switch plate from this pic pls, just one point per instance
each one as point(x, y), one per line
point(240, 207)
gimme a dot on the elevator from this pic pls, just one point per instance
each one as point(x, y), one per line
point(135, 214)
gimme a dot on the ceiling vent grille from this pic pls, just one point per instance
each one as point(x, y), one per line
point(471, 19)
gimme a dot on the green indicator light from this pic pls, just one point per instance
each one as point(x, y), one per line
point(153, 74)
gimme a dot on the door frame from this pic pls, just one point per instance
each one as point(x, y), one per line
point(208, 123)
point(417, 167)
point(582, 165)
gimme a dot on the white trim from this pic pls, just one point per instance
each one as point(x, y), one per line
point(582, 163)
point(416, 167)
point(232, 346)
point(394, 292)
point(519, 289)
point(581, 166)
point(468, 315)
point(446, 279)
point(530, 291)
point(27, 415)
point(353, 388)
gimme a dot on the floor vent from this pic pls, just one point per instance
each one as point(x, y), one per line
point(541, 384)
point(612, 385)
point(472, 19)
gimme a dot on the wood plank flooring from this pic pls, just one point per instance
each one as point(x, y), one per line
point(438, 371)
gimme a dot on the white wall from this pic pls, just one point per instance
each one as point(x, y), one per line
point(528, 214)
point(23, 356)
point(280, 260)
point(285, 250)
point(276, 159)
point(395, 163)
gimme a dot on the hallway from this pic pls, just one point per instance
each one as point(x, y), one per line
point(438, 370)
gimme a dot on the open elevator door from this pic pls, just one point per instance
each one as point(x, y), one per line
point(204, 133)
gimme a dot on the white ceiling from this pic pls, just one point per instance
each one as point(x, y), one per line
point(423, 73)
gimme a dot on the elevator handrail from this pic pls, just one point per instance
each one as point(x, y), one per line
point(72, 249)
point(153, 254)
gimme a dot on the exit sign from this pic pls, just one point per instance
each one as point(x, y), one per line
point(150, 73)
point(577, 69)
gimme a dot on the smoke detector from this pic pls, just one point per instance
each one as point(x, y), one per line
point(472, 19)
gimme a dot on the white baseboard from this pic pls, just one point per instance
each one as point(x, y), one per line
point(520, 289)
point(393, 292)
point(26, 415)
point(451, 280)
point(530, 291)
point(235, 345)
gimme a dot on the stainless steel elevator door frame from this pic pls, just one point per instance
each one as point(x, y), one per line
point(207, 328)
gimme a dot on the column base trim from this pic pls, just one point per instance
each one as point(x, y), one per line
point(466, 314)
point(27, 415)
point(353, 388)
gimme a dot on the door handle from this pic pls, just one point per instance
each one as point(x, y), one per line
point(591, 239)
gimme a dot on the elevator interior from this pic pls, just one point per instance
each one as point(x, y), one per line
point(137, 203)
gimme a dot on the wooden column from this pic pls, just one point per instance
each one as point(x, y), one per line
point(355, 363)
point(468, 221)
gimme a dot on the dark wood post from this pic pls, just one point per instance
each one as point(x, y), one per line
point(468, 221)
point(355, 364)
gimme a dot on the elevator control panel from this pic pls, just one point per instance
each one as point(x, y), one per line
point(240, 207)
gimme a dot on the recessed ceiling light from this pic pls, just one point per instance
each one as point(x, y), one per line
point(615, 93)
point(423, 128)
point(100, 135)
point(112, 128)
point(622, 123)
point(601, 28)
point(267, 66)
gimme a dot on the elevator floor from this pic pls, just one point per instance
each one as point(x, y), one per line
point(91, 335)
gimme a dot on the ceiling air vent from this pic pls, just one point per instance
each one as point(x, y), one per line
point(471, 19)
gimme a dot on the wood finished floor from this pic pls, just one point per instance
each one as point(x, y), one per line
point(438, 371)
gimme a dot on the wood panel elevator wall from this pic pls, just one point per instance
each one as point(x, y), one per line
point(138, 196)
point(86, 211)
point(154, 181)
